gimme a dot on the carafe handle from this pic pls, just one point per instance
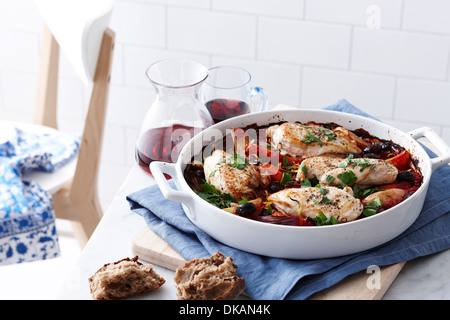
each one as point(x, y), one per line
point(258, 91)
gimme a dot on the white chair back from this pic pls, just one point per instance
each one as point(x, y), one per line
point(78, 27)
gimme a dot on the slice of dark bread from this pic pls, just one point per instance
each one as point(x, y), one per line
point(123, 279)
point(213, 278)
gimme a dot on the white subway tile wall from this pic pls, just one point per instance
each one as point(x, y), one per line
point(356, 12)
point(390, 58)
point(359, 86)
point(429, 17)
point(400, 53)
point(304, 43)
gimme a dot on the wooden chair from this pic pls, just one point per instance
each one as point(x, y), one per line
point(77, 200)
point(74, 186)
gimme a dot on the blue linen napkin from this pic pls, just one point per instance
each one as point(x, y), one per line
point(274, 278)
point(27, 220)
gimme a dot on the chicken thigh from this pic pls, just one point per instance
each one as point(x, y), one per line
point(233, 175)
point(307, 202)
point(336, 171)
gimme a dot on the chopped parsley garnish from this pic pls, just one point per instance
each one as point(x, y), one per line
point(286, 163)
point(371, 209)
point(358, 192)
point(213, 173)
point(303, 168)
point(238, 162)
point(209, 188)
point(269, 209)
point(347, 178)
point(286, 178)
point(305, 183)
point(329, 179)
point(330, 135)
point(211, 195)
point(325, 200)
point(346, 161)
point(323, 191)
point(362, 163)
point(311, 138)
point(322, 220)
point(309, 182)
point(244, 200)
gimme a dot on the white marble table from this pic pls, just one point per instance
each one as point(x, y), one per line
point(423, 278)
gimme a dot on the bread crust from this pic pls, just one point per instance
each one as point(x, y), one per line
point(124, 279)
point(213, 278)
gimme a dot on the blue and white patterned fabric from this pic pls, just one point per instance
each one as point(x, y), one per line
point(27, 220)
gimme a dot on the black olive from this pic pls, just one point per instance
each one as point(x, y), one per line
point(372, 156)
point(406, 176)
point(246, 209)
point(386, 147)
point(375, 147)
point(200, 173)
point(275, 187)
point(395, 146)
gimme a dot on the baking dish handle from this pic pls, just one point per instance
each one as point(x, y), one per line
point(439, 145)
point(159, 171)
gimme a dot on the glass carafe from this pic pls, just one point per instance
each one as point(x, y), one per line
point(177, 113)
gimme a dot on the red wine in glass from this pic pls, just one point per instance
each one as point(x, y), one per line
point(222, 109)
point(162, 144)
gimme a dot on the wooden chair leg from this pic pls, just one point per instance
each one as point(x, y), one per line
point(83, 193)
point(84, 214)
point(79, 201)
point(87, 221)
point(45, 108)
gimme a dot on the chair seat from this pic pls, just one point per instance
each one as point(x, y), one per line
point(50, 182)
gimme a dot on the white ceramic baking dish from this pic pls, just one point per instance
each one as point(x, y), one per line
point(296, 242)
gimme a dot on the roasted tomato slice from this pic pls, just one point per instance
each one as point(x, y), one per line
point(401, 160)
point(271, 170)
point(267, 155)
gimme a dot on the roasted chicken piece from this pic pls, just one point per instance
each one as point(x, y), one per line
point(336, 171)
point(233, 175)
point(388, 198)
point(309, 140)
point(307, 202)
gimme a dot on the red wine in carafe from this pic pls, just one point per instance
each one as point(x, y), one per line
point(221, 109)
point(162, 144)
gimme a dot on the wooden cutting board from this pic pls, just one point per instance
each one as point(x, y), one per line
point(153, 249)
